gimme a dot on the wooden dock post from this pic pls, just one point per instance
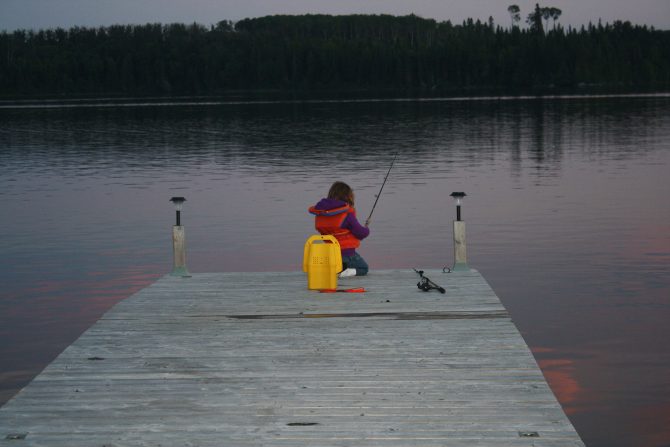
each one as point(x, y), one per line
point(179, 242)
point(460, 249)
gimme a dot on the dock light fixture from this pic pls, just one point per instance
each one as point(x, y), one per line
point(178, 205)
point(179, 241)
point(458, 197)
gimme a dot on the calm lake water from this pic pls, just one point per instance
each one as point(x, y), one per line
point(567, 211)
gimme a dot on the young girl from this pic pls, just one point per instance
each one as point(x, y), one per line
point(336, 215)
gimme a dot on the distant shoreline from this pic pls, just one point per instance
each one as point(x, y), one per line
point(322, 56)
point(251, 98)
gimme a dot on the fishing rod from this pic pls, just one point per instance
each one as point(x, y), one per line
point(367, 221)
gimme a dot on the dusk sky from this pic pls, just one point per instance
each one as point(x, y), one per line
point(36, 14)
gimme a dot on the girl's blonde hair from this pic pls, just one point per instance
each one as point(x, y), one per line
point(341, 191)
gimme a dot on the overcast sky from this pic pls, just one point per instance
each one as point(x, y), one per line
point(36, 14)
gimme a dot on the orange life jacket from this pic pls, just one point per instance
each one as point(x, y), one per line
point(330, 222)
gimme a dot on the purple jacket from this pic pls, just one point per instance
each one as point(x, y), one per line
point(350, 222)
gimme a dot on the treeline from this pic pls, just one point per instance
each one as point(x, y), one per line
point(328, 52)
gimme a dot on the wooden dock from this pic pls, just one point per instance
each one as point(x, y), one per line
point(255, 359)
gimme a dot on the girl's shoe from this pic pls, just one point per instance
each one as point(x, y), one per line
point(347, 273)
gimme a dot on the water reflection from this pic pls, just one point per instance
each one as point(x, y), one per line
point(561, 375)
point(566, 218)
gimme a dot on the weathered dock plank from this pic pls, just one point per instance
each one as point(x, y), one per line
point(255, 359)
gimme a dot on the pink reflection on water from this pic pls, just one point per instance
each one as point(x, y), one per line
point(112, 290)
point(561, 375)
point(92, 295)
point(59, 312)
point(595, 387)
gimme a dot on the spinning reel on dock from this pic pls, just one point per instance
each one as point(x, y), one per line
point(426, 284)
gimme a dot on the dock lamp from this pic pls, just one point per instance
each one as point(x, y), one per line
point(179, 241)
point(458, 197)
point(178, 203)
point(460, 251)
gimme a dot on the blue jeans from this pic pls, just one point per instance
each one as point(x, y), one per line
point(355, 262)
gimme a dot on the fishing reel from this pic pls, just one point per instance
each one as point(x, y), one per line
point(426, 284)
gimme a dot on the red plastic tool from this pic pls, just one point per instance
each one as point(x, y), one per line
point(355, 290)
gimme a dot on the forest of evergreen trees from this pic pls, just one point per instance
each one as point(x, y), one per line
point(312, 52)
